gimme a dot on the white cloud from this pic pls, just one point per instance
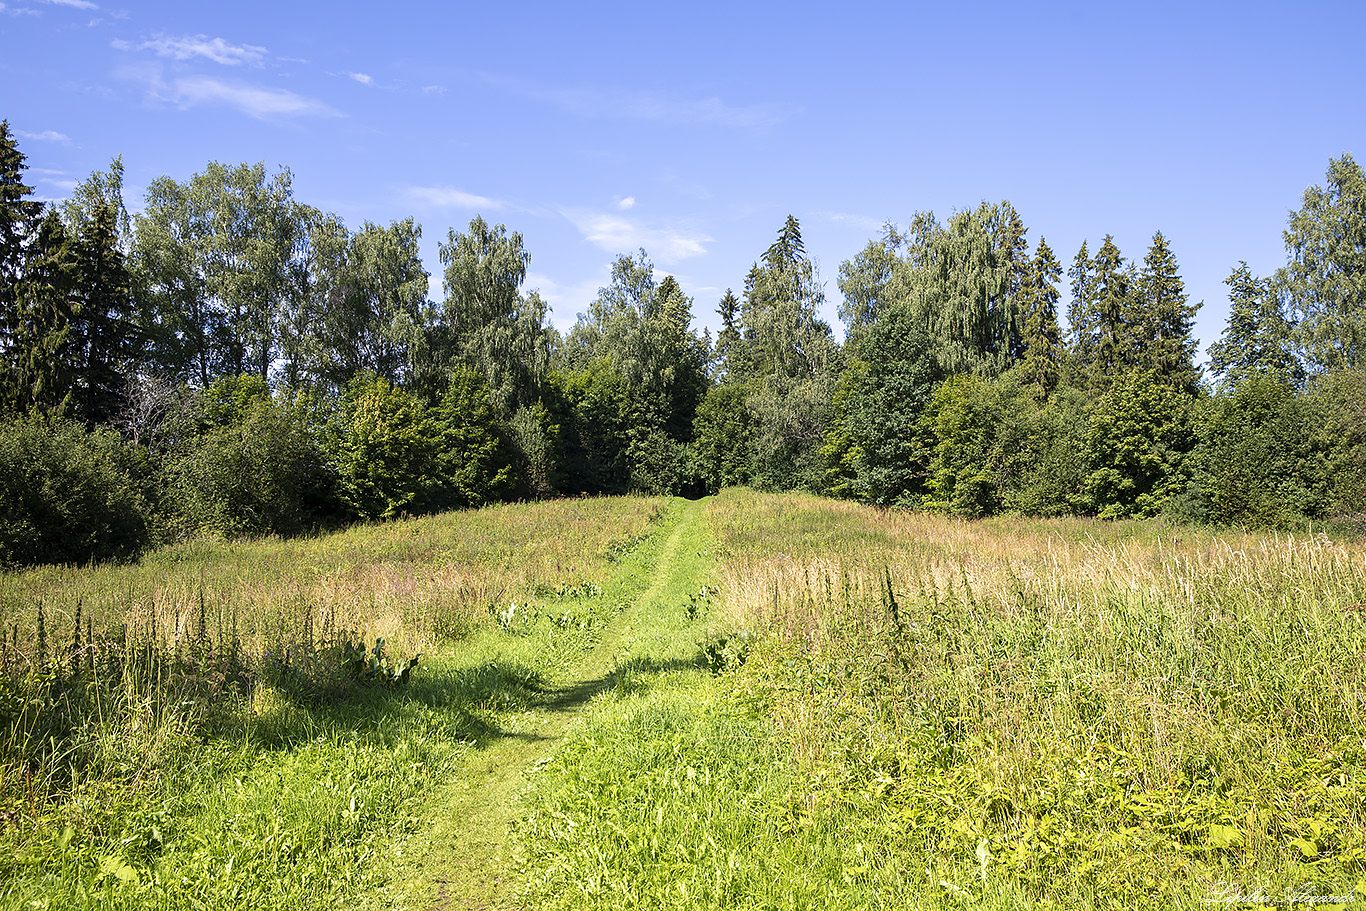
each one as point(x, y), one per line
point(257, 101)
point(618, 234)
point(449, 197)
point(362, 78)
point(76, 4)
point(45, 136)
point(190, 46)
point(434, 90)
point(625, 203)
point(618, 103)
point(261, 102)
point(20, 11)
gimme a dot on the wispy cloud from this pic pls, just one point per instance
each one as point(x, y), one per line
point(362, 78)
point(257, 101)
point(188, 47)
point(75, 4)
point(46, 136)
point(66, 185)
point(437, 90)
point(625, 203)
point(629, 105)
point(619, 234)
point(451, 198)
point(17, 11)
point(261, 102)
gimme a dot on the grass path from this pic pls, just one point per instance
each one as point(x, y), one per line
point(463, 857)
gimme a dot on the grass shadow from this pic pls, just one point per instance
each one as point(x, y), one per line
point(630, 677)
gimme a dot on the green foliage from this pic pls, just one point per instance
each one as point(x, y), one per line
point(106, 340)
point(1048, 464)
point(254, 467)
point(874, 449)
point(1139, 433)
point(1326, 277)
point(1258, 338)
point(1161, 318)
point(790, 419)
point(486, 323)
point(635, 347)
point(388, 454)
point(38, 366)
point(1260, 461)
point(595, 428)
point(536, 437)
point(966, 421)
point(962, 282)
point(1041, 363)
point(721, 436)
point(218, 261)
point(397, 456)
point(375, 666)
point(365, 308)
point(1338, 405)
point(473, 454)
point(67, 496)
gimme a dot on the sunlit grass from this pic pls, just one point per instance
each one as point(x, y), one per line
point(134, 775)
point(1065, 711)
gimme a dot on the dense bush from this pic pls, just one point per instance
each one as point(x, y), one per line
point(1259, 463)
point(1139, 434)
point(253, 468)
point(1339, 408)
point(67, 496)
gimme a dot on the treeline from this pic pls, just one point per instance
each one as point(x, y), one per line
point(233, 362)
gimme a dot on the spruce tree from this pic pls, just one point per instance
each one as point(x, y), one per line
point(1257, 340)
point(1161, 319)
point(1039, 293)
point(1114, 340)
point(728, 340)
point(106, 339)
point(18, 219)
point(37, 372)
point(1081, 309)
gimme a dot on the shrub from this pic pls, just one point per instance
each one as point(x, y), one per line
point(67, 496)
point(1259, 462)
point(254, 468)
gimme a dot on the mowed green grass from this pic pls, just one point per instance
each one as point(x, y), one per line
point(939, 713)
point(275, 800)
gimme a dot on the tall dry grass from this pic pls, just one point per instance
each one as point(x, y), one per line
point(1089, 710)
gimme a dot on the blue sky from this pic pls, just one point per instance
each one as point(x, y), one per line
point(694, 129)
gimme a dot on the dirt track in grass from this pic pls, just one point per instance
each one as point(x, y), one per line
point(464, 853)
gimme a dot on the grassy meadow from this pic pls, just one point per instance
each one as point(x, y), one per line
point(199, 741)
point(920, 711)
point(758, 701)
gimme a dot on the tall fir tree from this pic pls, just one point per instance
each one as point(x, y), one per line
point(1258, 338)
point(19, 217)
point(1161, 320)
point(107, 339)
point(37, 373)
point(728, 340)
point(1114, 340)
point(1081, 321)
point(1040, 366)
